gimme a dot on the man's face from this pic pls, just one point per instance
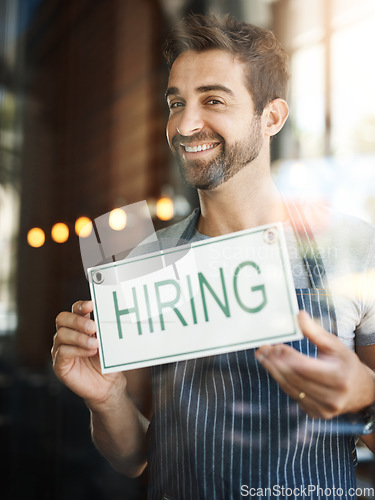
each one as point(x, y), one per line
point(212, 129)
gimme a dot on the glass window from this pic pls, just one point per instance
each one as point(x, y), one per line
point(352, 85)
point(308, 100)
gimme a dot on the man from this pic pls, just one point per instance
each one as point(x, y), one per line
point(221, 426)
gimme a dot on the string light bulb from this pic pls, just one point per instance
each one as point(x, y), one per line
point(36, 237)
point(164, 208)
point(117, 219)
point(83, 227)
point(60, 232)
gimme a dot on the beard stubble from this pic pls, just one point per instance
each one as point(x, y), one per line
point(209, 174)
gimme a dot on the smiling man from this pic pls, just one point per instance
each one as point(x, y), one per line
point(282, 418)
point(208, 131)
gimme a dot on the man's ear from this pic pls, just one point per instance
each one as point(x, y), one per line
point(275, 115)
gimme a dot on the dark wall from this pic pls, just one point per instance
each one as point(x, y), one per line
point(94, 140)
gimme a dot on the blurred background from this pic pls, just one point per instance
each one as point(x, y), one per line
point(82, 118)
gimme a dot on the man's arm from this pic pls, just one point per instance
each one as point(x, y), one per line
point(115, 399)
point(119, 428)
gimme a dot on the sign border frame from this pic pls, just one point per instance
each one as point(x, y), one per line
point(223, 349)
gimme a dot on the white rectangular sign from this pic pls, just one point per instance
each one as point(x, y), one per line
point(217, 295)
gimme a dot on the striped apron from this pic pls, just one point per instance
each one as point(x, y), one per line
point(222, 428)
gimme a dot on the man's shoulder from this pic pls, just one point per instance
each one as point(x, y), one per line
point(342, 237)
point(331, 222)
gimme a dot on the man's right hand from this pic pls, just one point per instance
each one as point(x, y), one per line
point(118, 426)
point(76, 360)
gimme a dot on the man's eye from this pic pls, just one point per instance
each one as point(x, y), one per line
point(214, 101)
point(175, 104)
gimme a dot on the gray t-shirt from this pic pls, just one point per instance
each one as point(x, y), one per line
point(347, 247)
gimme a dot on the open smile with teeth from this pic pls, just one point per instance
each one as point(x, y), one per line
point(200, 147)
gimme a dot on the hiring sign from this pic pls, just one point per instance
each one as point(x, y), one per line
point(218, 295)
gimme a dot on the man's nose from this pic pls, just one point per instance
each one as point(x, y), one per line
point(190, 121)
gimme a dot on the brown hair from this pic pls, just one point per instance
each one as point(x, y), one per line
point(267, 72)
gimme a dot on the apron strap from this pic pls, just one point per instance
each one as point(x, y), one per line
point(188, 232)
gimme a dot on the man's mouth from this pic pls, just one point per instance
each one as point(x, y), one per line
point(199, 147)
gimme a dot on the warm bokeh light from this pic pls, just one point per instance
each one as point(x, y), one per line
point(36, 237)
point(164, 208)
point(83, 227)
point(60, 232)
point(117, 219)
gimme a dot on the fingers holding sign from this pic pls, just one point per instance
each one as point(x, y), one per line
point(334, 383)
point(75, 337)
point(75, 356)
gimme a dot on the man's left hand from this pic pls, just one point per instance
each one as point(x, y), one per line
point(336, 382)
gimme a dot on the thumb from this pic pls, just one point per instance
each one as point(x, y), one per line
point(326, 342)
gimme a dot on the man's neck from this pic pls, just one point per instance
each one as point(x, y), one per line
point(240, 203)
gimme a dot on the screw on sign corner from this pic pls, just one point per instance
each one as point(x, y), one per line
point(270, 235)
point(98, 277)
